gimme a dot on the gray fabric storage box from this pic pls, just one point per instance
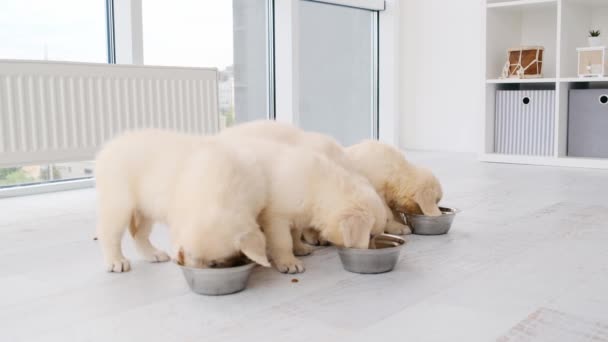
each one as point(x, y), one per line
point(525, 122)
point(588, 123)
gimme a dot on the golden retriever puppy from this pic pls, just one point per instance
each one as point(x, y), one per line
point(404, 186)
point(307, 189)
point(209, 194)
point(400, 184)
point(290, 135)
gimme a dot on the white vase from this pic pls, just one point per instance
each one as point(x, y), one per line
point(594, 41)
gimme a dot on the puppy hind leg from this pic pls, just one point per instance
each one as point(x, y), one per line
point(312, 237)
point(140, 228)
point(299, 247)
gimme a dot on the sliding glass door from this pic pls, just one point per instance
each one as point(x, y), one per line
point(233, 36)
point(337, 62)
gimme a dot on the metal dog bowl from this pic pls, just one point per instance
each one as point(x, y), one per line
point(431, 225)
point(217, 281)
point(381, 257)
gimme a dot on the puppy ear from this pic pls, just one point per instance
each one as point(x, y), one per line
point(253, 245)
point(427, 202)
point(356, 228)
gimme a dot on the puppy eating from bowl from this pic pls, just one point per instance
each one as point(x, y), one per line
point(187, 182)
point(403, 187)
point(306, 189)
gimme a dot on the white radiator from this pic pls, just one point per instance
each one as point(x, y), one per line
point(51, 111)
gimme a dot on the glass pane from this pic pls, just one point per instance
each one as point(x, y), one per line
point(228, 35)
point(34, 174)
point(73, 170)
point(337, 70)
point(60, 30)
point(66, 30)
point(23, 175)
point(251, 60)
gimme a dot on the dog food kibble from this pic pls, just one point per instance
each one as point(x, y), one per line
point(294, 280)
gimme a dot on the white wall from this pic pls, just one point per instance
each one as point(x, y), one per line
point(441, 75)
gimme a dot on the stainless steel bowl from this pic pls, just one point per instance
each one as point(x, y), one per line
point(381, 257)
point(217, 281)
point(431, 225)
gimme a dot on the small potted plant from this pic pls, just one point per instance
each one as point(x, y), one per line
point(594, 38)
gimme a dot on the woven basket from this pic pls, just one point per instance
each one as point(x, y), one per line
point(524, 62)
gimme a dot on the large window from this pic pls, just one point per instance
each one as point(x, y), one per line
point(232, 36)
point(60, 30)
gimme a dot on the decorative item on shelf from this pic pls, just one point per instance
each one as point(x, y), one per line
point(524, 62)
point(592, 61)
point(594, 39)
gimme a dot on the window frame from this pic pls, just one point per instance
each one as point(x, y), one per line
point(271, 81)
point(372, 5)
point(110, 33)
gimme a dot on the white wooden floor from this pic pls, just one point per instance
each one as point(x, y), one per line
point(527, 260)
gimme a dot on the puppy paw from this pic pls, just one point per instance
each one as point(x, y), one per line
point(157, 256)
point(397, 228)
point(302, 250)
point(289, 265)
point(311, 237)
point(118, 266)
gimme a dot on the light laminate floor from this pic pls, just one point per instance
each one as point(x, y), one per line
point(527, 260)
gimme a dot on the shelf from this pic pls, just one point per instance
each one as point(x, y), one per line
point(593, 3)
point(524, 26)
point(583, 79)
point(519, 3)
point(547, 80)
point(589, 163)
point(561, 27)
point(578, 17)
point(517, 80)
point(591, 48)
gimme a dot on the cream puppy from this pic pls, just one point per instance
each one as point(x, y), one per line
point(306, 189)
point(187, 182)
point(290, 135)
point(404, 186)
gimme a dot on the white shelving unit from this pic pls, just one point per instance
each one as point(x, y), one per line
point(560, 26)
